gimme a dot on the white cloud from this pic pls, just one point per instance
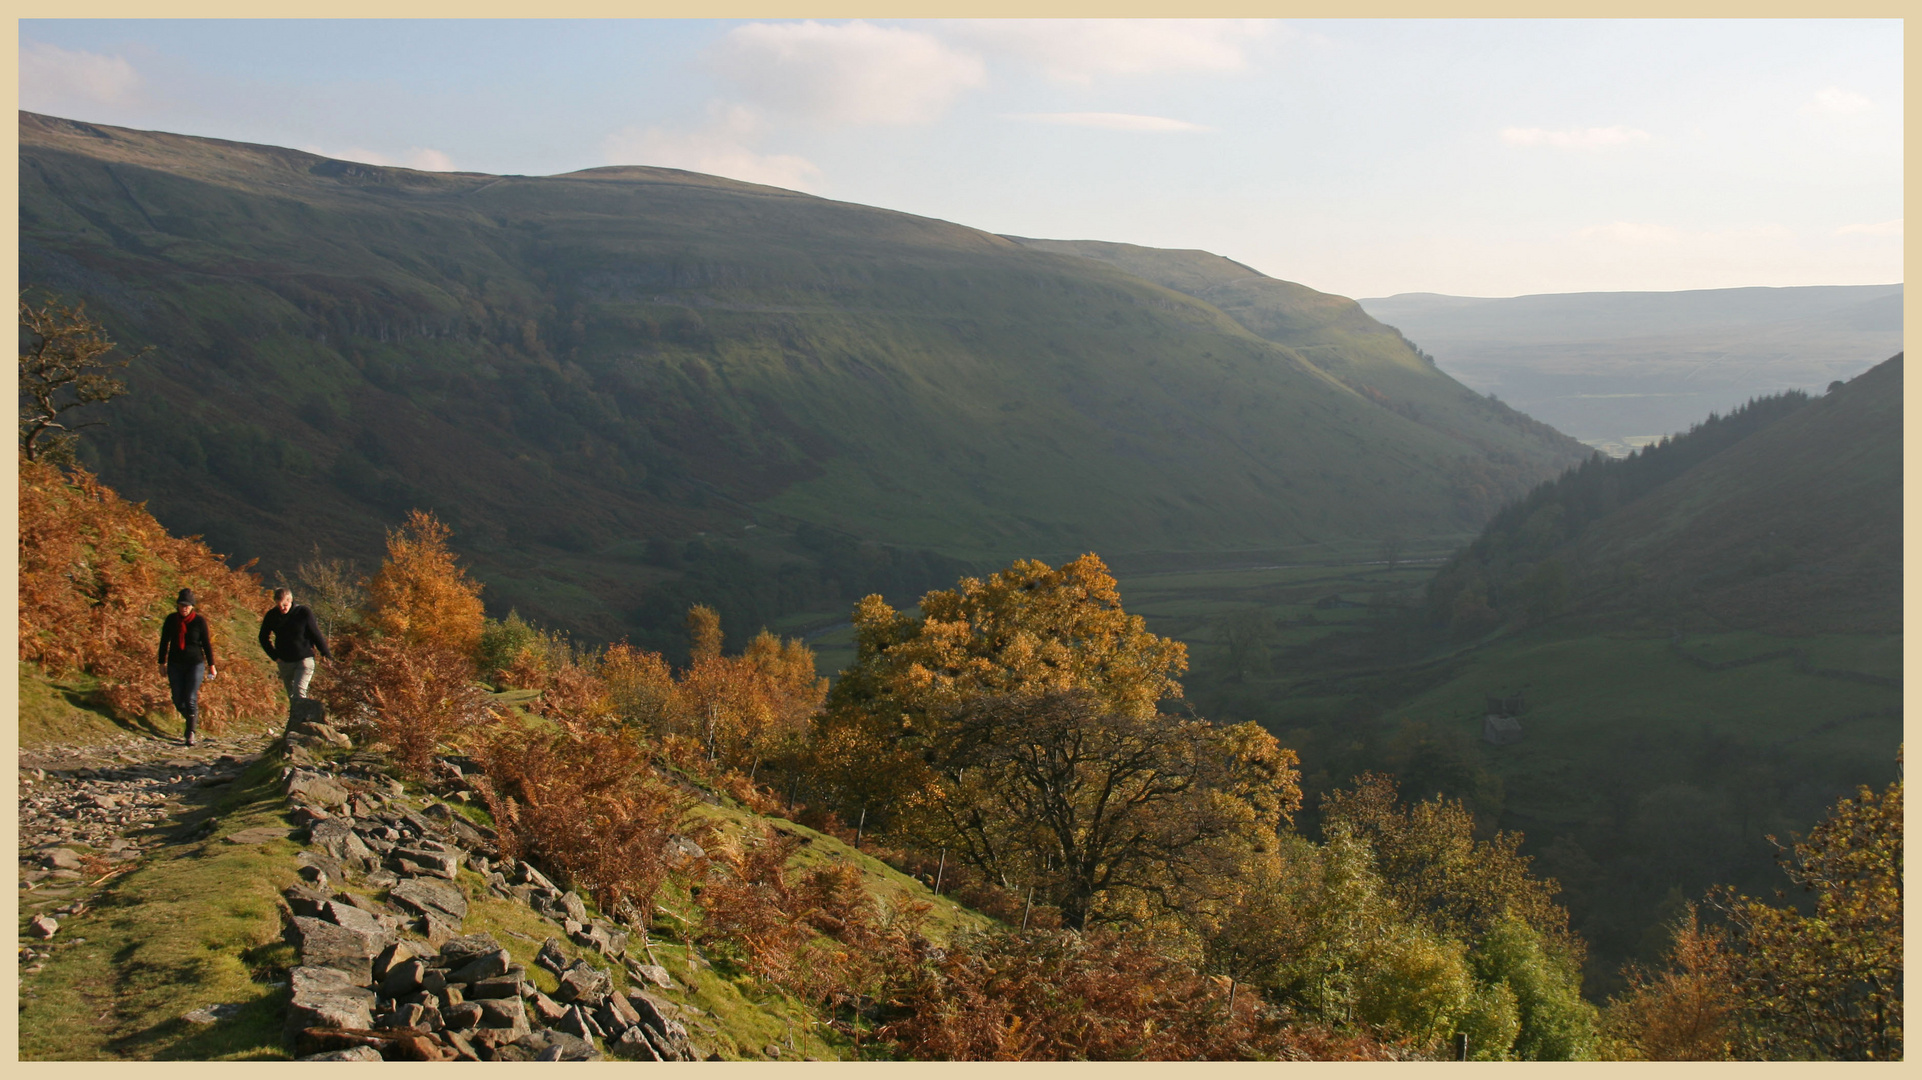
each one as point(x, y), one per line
point(51, 76)
point(1079, 50)
point(1835, 101)
point(1111, 121)
point(1575, 138)
point(846, 73)
point(416, 157)
point(1880, 228)
point(722, 148)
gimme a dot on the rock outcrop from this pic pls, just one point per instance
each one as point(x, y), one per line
point(386, 973)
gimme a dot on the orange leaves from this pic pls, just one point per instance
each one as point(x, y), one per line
point(97, 576)
point(753, 706)
point(1686, 1013)
point(414, 695)
point(1095, 997)
point(586, 804)
point(818, 933)
point(420, 594)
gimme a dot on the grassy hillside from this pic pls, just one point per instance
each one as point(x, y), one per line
point(1343, 340)
point(1620, 369)
point(1720, 660)
point(1795, 529)
point(578, 372)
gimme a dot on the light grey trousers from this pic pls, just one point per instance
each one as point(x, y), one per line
point(295, 675)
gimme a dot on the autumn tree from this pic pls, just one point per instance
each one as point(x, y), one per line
point(1828, 984)
point(1438, 871)
point(407, 671)
point(1028, 630)
point(1085, 802)
point(750, 707)
point(1479, 893)
point(66, 363)
point(420, 594)
point(1688, 1011)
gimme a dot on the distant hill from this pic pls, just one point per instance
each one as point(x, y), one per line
point(614, 381)
point(1795, 529)
point(1784, 517)
point(1618, 369)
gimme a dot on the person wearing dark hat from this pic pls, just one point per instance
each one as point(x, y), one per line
point(290, 635)
point(187, 653)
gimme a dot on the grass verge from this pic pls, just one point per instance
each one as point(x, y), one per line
point(198, 924)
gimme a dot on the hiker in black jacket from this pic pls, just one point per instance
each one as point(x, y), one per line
point(290, 635)
point(187, 653)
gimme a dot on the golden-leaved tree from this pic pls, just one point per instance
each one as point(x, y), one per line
point(1026, 630)
point(409, 674)
point(745, 709)
point(1017, 722)
point(1828, 984)
point(420, 594)
point(1774, 982)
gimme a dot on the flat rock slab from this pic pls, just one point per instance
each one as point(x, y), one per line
point(433, 900)
point(323, 944)
point(341, 1007)
point(259, 835)
point(460, 950)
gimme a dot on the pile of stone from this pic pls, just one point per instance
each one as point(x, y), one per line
point(366, 992)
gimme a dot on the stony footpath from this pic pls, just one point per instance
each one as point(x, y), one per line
point(386, 971)
point(89, 814)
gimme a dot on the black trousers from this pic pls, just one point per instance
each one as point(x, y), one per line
point(184, 680)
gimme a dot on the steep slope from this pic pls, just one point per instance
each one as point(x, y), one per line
point(1617, 369)
point(568, 367)
point(1784, 516)
point(1795, 529)
point(1339, 337)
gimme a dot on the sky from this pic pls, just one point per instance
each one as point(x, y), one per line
point(1359, 157)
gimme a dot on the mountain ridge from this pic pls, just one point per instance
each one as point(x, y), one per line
point(629, 356)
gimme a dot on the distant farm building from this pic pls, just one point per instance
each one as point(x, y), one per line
point(1500, 725)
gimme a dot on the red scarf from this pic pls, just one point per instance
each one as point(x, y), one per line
point(184, 620)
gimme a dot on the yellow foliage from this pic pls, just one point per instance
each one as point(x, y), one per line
point(1416, 984)
point(421, 595)
point(1029, 629)
point(640, 684)
point(703, 632)
point(752, 706)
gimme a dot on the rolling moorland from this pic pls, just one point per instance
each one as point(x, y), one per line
point(570, 368)
point(1702, 641)
point(1619, 370)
